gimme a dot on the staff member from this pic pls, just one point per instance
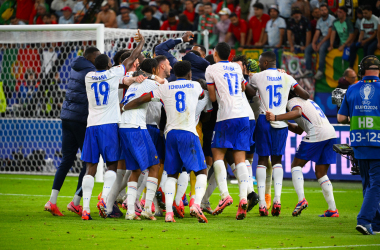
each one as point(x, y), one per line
point(361, 109)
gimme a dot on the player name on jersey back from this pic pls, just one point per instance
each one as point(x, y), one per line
point(135, 118)
point(313, 121)
point(180, 99)
point(227, 78)
point(273, 88)
point(102, 94)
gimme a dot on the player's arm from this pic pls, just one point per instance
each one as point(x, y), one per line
point(295, 128)
point(127, 81)
point(136, 52)
point(294, 114)
point(250, 91)
point(138, 101)
point(211, 92)
point(301, 92)
point(343, 119)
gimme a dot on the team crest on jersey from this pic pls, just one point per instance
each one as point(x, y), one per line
point(367, 91)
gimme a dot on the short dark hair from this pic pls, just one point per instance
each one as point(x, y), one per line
point(195, 52)
point(117, 57)
point(148, 65)
point(172, 13)
point(160, 59)
point(166, 3)
point(324, 5)
point(203, 49)
point(210, 59)
point(344, 8)
point(241, 58)
point(89, 51)
point(269, 55)
point(233, 15)
point(182, 68)
point(359, 10)
point(147, 9)
point(258, 5)
point(223, 50)
point(367, 7)
point(207, 4)
point(125, 55)
point(101, 62)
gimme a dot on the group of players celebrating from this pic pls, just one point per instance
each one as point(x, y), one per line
point(125, 112)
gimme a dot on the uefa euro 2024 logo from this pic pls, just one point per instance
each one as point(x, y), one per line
point(366, 92)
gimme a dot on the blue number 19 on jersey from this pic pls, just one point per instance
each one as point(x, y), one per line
point(180, 103)
point(104, 90)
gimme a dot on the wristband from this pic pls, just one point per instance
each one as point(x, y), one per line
point(275, 116)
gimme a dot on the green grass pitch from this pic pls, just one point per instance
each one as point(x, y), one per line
point(24, 224)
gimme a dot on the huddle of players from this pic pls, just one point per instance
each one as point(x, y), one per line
point(120, 133)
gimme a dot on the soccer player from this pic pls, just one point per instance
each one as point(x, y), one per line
point(316, 146)
point(273, 88)
point(183, 148)
point(232, 128)
point(102, 136)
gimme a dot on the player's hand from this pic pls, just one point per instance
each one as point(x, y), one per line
point(187, 37)
point(140, 78)
point(159, 79)
point(314, 46)
point(341, 48)
point(281, 70)
point(138, 37)
point(270, 116)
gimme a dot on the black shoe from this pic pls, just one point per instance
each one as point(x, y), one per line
point(253, 199)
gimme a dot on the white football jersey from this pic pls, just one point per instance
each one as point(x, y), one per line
point(273, 88)
point(102, 94)
point(121, 92)
point(180, 99)
point(204, 105)
point(247, 108)
point(313, 121)
point(227, 78)
point(135, 118)
point(153, 115)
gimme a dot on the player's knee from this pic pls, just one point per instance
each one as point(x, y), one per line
point(203, 171)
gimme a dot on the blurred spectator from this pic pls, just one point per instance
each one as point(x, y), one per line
point(321, 42)
point(344, 28)
point(184, 23)
point(349, 78)
point(203, 3)
point(315, 3)
point(304, 6)
point(78, 17)
point(230, 4)
point(244, 6)
point(47, 19)
point(190, 11)
point(82, 6)
point(107, 16)
point(359, 18)
point(54, 18)
point(58, 5)
point(206, 22)
point(113, 5)
point(201, 9)
point(316, 14)
point(149, 22)
point(37, 15)
point(221, 27)
point(16, 21)
point(275, 28)
point(67, 17)
point(285, 8)
point(137, 8)
point(157, 13)
point(6, 11)
point(171, 23)
point(124, 7)
point(298, 31)
point(367, 38)
point(238, 28)
point(165, 9)
point(24, 10)
point(126, 19)
point(257, 25)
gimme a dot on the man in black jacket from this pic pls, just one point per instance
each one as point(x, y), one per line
point(74, 122)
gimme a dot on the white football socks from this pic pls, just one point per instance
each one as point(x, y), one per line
point(141, 185)
point(327, 190)
point(200, 188)
point(278, 176)
point(233, 168)
point(298, 182)
point(242, 172)
point(261, 178)
point(183, 181)
point(76, 200)
point(221, 178)
point(124, 183)
point(109, 179)
point(170, 184)
point(54, 196)
point(163, 180)
point(250, 187)
point(210, 188)
point(115, 190)
point(87, 186)
point(250, 161)
point(268, 180)
point(151, 188)
point(131, 196)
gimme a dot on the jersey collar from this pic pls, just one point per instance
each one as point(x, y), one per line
point(100, 71)
point(370, 78)
point(271, 69)
point(223, 61)
point(181, 79)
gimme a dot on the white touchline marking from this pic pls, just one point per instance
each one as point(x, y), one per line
point(30, 179)
point(38, 195)
point(319, 247)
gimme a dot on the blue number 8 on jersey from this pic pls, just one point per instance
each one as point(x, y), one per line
point(180, 104)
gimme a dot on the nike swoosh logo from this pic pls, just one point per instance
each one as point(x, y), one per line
point(76, 210)
point(222, 203)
